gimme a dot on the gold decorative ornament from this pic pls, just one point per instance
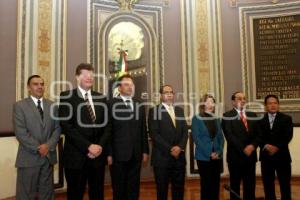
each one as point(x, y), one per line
point(126, 5)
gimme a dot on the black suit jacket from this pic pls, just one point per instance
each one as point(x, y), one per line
point(280, 136)
point(165, 135)
point(75, 118)
point(129, 133)
point(238, 137)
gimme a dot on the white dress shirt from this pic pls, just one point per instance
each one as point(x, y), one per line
point(35, 100)
point(124, 98)
point(171, 112)
point(241, 111)
point(271, 117)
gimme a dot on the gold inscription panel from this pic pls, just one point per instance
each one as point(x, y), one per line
point(277, 56)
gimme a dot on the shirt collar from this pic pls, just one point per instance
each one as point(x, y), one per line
point(272, 115)
point(166, 105)
point(83, 92)
point(239, 111)
point(35, 100)
point(125, 98)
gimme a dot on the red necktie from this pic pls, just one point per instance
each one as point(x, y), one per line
point(244, 120)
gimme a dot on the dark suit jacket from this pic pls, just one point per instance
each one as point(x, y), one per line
point(78, 137)
point(164, 135)
point(129, 134)
point(280, 136)
point(238, 137)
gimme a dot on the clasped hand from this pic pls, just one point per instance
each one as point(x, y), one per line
point(95, 150)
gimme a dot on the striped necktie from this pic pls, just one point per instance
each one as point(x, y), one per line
point(90, 109)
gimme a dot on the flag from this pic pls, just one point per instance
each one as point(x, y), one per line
point(121, 68)
point(122, 64)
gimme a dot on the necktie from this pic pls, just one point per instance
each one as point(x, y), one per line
point(272, 121)
point(40, 109)
point(90, 109)
point(244, 120)
point(129, 104)
point(172, 114)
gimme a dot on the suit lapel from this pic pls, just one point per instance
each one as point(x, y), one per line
point(176, 111)
point(135, 104)
point(78, 94)
point(249, 122)
point(119, 106)
point(241, 124)
point(276, 120)
point(165, 113)
point(34, 109)
point(266, 121)
point(80, 100)
point(46, 111)
point(120, 100)
point(94, 99)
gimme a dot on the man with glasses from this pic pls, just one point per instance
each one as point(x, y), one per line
point(240, 130)
point(169, 133)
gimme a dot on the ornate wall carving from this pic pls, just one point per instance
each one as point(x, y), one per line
point(202, 46)
point(202, 50)
point(41, 43)
point(237, 3)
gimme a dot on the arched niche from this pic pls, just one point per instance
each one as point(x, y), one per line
point(145, 70)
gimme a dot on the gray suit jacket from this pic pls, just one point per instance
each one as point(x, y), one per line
point(31, 131)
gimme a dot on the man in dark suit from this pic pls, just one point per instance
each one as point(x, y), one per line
point(169, 133)
point(240, 130)
point(83, 121)
point(129, 142)
point(38, 132)
point(276, 130)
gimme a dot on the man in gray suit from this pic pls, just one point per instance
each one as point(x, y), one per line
point(38, 133)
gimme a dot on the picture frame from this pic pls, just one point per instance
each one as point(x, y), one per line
point(58, 167)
